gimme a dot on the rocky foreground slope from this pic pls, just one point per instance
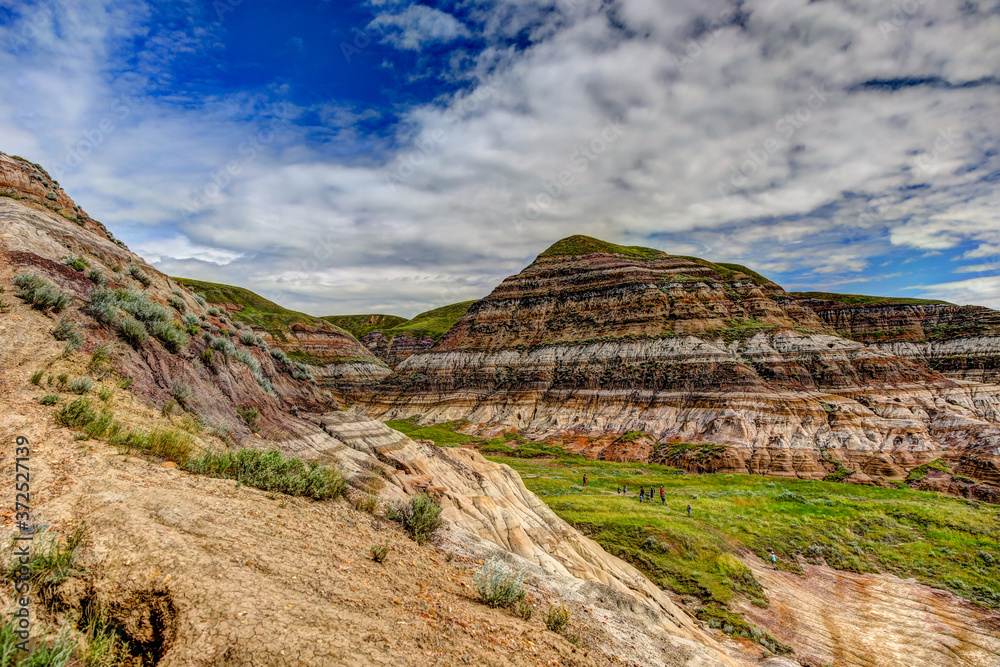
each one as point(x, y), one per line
point(594, 340)
point(197, 571)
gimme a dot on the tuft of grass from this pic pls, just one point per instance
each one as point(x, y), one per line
point(177, 303)
point(557, 618)
point(181, 392)
point(53, 561)
point(271, 471)
point(223, 345)
point(78, 263)
point(421, 516)
point(66, 330)
point(367, 502)
point(379, 552)
point(523, 610)
point(141, 276)
point(168, 444)
point(76, 414)
point(250, 417)
point(133, 331)
point(80, 385)
point(49, 399)
point(172, 338)
point(584, 245)
point(100, 360)
point(498, 584)
point(36, 378)
point(106, 394)
point(40, 293)
point(97, 277)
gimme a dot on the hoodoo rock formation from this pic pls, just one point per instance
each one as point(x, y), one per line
point(595, 339)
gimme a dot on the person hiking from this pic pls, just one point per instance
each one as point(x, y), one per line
point(585, 480)
point(774, 561)
point(642, 490)
point(663, 496)
point(689, 511)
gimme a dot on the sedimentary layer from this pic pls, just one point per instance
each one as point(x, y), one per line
point(688, 351)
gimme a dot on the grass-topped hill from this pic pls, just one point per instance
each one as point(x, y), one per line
point(864, 300)
point(257, 311)
point(584, 245)
point(359, 325)
point(434, 323)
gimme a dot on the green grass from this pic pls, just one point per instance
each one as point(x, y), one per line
point(360, 325)
point(271, 471)
point(583, 245)
point(945, 542)
point(257, 311)
point(864, 300)
point(434, 323)
point(445, 434)
point(937, 539)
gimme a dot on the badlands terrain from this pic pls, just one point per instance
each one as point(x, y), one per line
point(627, 364)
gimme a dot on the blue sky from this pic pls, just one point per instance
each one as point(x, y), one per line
point(395, 156)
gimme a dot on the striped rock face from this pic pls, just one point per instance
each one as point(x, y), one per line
point(684, 350)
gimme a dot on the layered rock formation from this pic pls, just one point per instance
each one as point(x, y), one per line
point(396, 349)
point(37, 240)
point(594, 339)
point(961, 342)
point(174, 523)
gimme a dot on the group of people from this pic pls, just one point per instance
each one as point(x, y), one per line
point(645, 495)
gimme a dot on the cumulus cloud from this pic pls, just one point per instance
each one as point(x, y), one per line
point(807, 140)
point(416, 26)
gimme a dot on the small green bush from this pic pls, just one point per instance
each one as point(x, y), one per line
point(141, 276)
point(66, 331)
point(557, 618)
point(190, 320)
point(249, 417)
point(180, 392)
point(498, 585)
point(247, 337)
point(133, 331)
point(97, 277)
point(53, 561)
point(379, 552)
point(271, 471)
point(103, 305)
point(106, 393)
point(172, 338)
point(40, 293)
point(223, 345)
point(78, 263)
point(49, 399)
point(421, 516)
point(177, 303)
point(214, 311)
point(208, 356)
point(200, 298)
point(523, 610)
point(80, 385)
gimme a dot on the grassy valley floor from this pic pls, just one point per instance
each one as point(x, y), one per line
point(944, 542)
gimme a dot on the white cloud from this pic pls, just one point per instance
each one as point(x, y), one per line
point(416, 26)
point(696, 89)
point(180, 248)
